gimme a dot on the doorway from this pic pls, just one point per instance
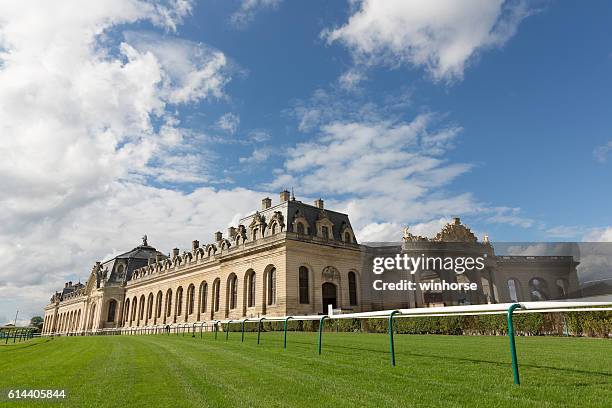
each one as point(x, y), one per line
point(329, 296)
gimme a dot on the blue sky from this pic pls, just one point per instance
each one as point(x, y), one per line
point(532, 111)
point(175, 118)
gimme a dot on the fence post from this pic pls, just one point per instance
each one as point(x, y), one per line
point(243, 321)
point(515, 369)
point(228, 329)
point(321, 323)
point(259, 329)
point(285, 339)
point(391, 343)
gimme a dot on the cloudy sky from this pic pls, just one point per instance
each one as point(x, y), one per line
point(170, 118)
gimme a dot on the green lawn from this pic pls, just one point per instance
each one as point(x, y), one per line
point(354, 370)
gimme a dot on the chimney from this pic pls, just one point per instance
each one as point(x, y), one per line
point(266, 203)
point(284, 196)
point(66, 284)
point(218, 236)
point(319, 203)
point(232, 232)
point(175, 252)
point(195, 244)
point(456, 221)
point(69, 283)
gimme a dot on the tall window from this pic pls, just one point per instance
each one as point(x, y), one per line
point(112, 309)
point(134, 306)
point(273, 229)
point(300, 228)
point(203, 294)
point(272, 286)
point(304, 287)
point(513, 290)
point(352, 288)
point(538, 288)
point(190, 299)
point(179, 301)
point(562, 286)
point(216, 295)
point(127, 312)
point(347, 237)
point(325, 232)
point(150, 306)
point(251, 289)
point(233, 292)
point(142, 308)
point(169, 303)
point(158, 304)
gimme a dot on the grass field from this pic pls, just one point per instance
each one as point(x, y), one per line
point(354, 370)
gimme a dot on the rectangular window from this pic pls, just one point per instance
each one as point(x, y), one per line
point(304, 288)
point(325, 232)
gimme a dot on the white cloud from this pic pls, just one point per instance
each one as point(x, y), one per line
point(440, 36)
point(87, 121)
point(389, 173)
point(229, 122)
point(602, 152)
point(258, 155)
point(248, 8)
point(351, 79)
point(599, 235)
point(190, 71)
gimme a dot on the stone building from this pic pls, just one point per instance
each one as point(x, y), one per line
point(291, 258)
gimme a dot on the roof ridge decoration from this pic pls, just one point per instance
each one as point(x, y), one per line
point(454, 231)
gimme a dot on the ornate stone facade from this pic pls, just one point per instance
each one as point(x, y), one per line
point(289, 259)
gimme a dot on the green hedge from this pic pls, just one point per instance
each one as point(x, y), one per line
point(593, 324)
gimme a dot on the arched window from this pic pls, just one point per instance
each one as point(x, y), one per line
point(216, 290)
point(538, 289)
point(190, 299)
point(126, 317)
point(513, 290)
point(250, 281)
point(158, 304)
point(304, 286)
point(169, 303)
point(300, 228)
point(272, 286)
point(150, 306)
point(273, 231)
point(179, 301)
point(254, 237)
point(203, 294)
point(233, 288)
point(142, 308)
point(347, 237)
point(562, 287)
point(112, 309)
point(134, 306)
point(120, 270)
point(352, 288)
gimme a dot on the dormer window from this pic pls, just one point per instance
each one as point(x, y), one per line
point(325, 232)
point(300, 228)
